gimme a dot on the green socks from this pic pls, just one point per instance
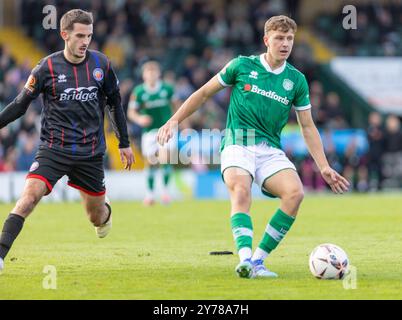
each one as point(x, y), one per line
point(151, 179)
point(242, 229)
point(167, 172)
point(276, 229)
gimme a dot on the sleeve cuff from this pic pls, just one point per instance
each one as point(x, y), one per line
point(301, 108)
point(133, 105)
point(124, 144)
point(223, 83)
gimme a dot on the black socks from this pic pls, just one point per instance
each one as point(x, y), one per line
point(11, 229)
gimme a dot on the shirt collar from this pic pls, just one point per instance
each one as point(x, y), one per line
point(155, 89)
point(268, 68)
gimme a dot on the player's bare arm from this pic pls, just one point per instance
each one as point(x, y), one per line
point(312, 138)
point(194, 102)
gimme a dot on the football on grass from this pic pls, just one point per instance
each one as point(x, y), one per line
point(328, 261)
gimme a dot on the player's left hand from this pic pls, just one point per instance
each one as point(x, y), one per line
point(337, 183)
point(127, 157)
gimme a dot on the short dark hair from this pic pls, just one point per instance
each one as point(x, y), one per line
point(75, 16)
point(151, 64)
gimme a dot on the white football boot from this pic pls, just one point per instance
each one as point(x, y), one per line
point(260, 271)
point(1, 265)
point(103, 230)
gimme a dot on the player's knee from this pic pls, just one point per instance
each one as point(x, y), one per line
point(295, 196)
point(241, 194)
point(26, 204)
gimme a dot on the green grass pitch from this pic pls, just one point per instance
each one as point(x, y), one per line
point(162, 252)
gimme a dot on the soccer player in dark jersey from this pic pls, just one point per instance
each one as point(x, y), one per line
point(76, 85)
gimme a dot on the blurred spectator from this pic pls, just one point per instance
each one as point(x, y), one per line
point(28, 123)
point(354, 168)
point(310, 175)
point(385, 23)
point(101, 29)
point(6, 61)
point(219, 31)
point(10, 160)
point(118, 46)
point(333, 112)
point(7, 140)
point(378, 30)
point(183, 88)
point(303, 57)
point(392, 159)
point(393, 134)
point(316, 100)
point(376, 140)
point(241, 33)
point(27, 152)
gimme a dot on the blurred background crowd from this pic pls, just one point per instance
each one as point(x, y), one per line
point(193, 40)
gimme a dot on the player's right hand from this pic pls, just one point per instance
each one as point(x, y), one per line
point(337, 182)
point(127, 157)
point(165, 132)
point(144, 121)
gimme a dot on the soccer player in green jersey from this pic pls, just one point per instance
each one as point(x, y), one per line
point(264, 89)
point(150, 107)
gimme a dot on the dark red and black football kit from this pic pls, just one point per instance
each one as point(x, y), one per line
point(72, 140)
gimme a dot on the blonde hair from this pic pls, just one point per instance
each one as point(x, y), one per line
point(280, 23)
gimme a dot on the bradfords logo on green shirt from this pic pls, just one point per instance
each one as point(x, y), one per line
point(261, 99)
point(269, 94)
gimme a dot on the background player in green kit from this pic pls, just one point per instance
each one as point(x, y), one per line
point(150, 107)
point(264, 89)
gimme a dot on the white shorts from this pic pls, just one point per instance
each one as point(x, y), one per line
point(261, 161)
point(149, 145)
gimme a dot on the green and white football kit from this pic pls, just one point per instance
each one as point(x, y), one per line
point(259, 108)
point(156, 103)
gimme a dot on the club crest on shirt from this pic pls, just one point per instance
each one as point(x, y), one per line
point(288, 84)
point(98, 74)
point(30, 84)
point(34, 166)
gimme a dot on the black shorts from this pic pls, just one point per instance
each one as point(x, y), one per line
point(86, 175)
